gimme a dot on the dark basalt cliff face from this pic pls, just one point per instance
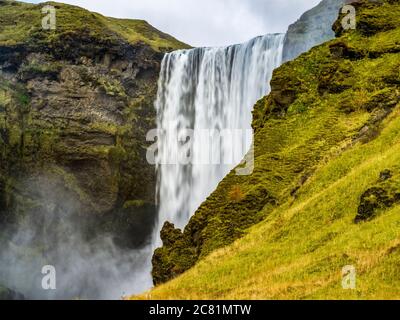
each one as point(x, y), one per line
point(75, 106)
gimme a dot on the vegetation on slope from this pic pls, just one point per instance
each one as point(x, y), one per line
point(325, 191)
point(21, 23)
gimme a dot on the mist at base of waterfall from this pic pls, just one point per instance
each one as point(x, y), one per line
point(88, 266)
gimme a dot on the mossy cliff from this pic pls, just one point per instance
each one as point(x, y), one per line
point(325, 189)
point(75, 105)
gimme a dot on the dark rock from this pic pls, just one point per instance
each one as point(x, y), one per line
point(131, 226)
point(334, 78)
point(284, 91)
point(385, 99)
point(170, 235)
point(342, 50)
point(385, 175)
point(175, 257)
point(372, 128)
point(372, 200)
point(8, 294)
point(383, 195)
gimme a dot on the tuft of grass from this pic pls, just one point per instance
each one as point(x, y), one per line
point(236, 194)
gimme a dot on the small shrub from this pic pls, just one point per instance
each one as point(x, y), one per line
point(236, 194)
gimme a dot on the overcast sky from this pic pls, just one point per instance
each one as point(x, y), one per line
point(206, 22)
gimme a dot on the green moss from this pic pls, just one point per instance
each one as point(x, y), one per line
point(37, 69)
point(140, 31)
point(134, 204)
point(18, 21)
point(112, 87)
point(21, 23)
point(117, 155)
point(23, 99)
point(106, 127)
point(384, 194)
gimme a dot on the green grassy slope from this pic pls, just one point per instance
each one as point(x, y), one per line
point(16, 26)
point(325, 192)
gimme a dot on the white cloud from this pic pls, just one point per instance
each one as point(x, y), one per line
point(206, 22)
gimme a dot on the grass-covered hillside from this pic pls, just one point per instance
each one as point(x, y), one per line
point(325, 192)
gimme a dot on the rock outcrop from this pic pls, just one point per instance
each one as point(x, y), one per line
point(378, 198)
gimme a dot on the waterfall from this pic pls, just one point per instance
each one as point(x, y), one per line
point(207, 90)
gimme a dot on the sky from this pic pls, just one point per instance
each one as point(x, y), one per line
point(205, 22)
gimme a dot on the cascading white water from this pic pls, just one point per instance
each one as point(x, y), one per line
point(206, 88)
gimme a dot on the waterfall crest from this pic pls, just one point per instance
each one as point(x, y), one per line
point(207, 89)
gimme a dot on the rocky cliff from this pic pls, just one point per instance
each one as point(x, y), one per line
point(75, 105)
